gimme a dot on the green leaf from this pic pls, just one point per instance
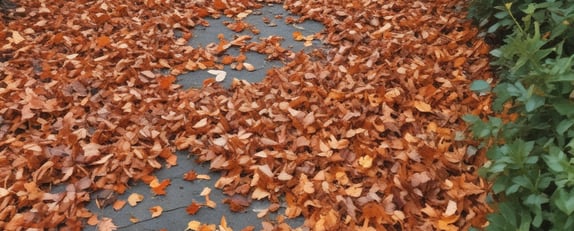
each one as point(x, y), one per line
point(564, 200)
point(564, 125)
point(480, 86)
point(523, 181)
point(566, 77)
point(556, 159)
point(563, 106)
point(535, 201)
point(534, 102)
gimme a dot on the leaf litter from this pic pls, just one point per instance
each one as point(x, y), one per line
point(359, 135)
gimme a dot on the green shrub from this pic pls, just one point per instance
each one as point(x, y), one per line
point(531, 158)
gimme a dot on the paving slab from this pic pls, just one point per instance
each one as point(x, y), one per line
point(181, 193)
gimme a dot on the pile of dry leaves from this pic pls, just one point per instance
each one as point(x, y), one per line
point(364, 135)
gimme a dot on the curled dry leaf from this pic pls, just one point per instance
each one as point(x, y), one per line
point(135, 198)
point(119, 204)
point(155, 211)
point(219, 75)
point(237, 203)
point(422, 106)
point(249, 66)
point(450, 208)
point(190, 175)
point(106, 224)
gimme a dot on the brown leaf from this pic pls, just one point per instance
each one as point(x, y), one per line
point(237, 203)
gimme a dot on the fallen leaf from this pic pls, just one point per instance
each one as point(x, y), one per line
point(17, 37)
point(450, 208)
point(165, 82)
point(249, 66)
point(119, 204)
point(93, 220)
point(193, 225)
point(106, 224)
point(103, 41)
point(219, 75)
point(134, 219)
point(155, 211)
point(159, 188)
point(237, 203)
point(135, 198)
point(422, 106)
point(4, 192)
point(192, 208)
point(190, 175)
point(223, 225)
point(366, 161)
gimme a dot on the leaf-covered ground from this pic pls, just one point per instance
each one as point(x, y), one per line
point(363, 135)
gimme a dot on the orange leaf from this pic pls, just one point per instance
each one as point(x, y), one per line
point(159, 189)
point(103, 41)
point(226, 60)
point(249, 228)
point(193, 208)
point(219, 5)
point(93, 220)
point(459, 61)
point(190, 175)
point(166, 81)
point(119, 204)
point(298, 36)
point(241, 58)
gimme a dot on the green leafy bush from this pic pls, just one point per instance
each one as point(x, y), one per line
point(531, 157)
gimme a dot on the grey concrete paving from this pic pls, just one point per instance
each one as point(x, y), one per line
point(181, 193)
point(202, 36)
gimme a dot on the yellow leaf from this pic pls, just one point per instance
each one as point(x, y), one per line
point(355, 190)
point(422, 106)
point(156, 211)
point(366, 161)
point(193, 225)
point(134, 198)
point(446, 223)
